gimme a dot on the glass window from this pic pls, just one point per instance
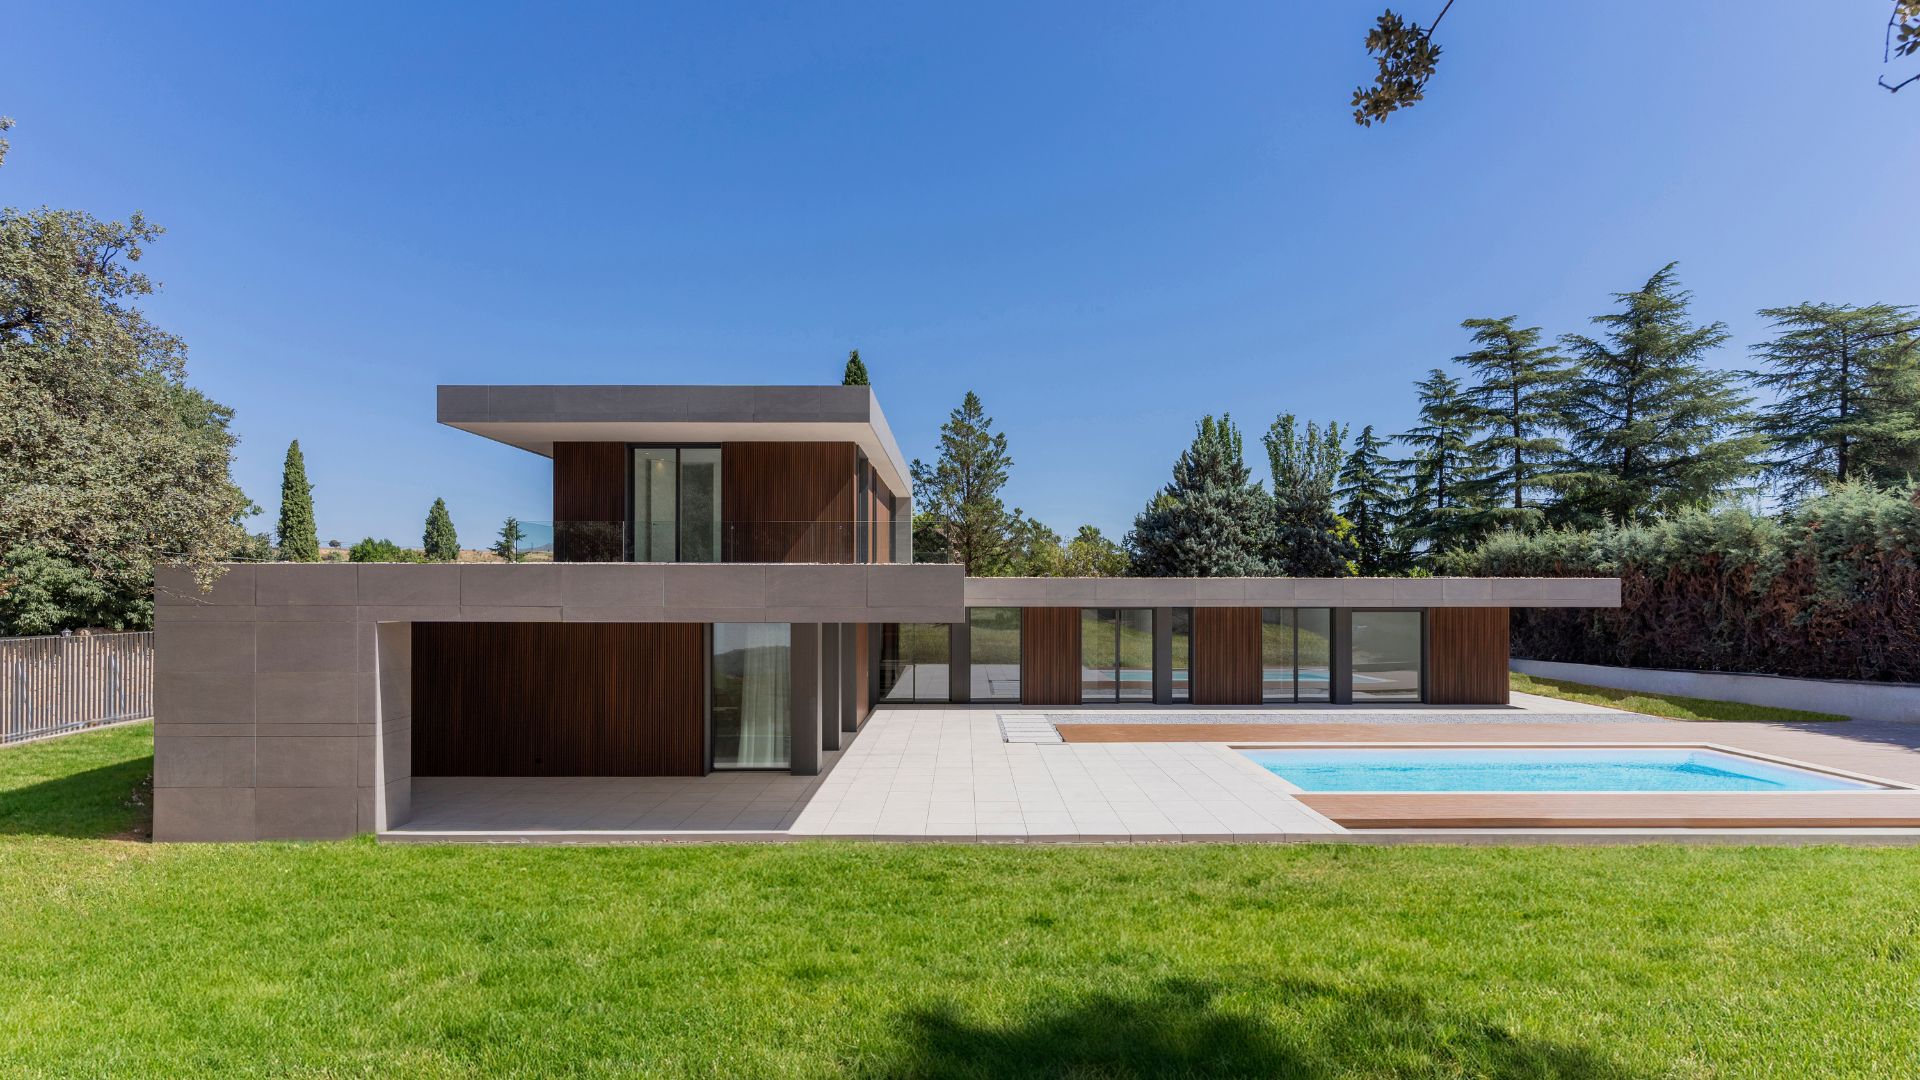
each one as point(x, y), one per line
point(655, 505)
point(752, 696)
point(1135, 667)
point(1313, 654)
point(993, 636)
point(1276, 655)
point(1099, 675)
point(1182, 653)
point(700, 504)
point(1386, 656)
point(914, 661)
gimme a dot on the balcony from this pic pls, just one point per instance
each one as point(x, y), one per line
point(722, 542)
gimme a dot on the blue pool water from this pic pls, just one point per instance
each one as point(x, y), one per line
point(1477, 769)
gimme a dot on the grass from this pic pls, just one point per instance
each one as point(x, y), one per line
point(1671, 706)
point(352, 959)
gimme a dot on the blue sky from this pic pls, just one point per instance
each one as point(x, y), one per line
point(1106, 219)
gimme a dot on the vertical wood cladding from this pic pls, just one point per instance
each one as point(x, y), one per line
point(787, 502)
point(1226, 656)
point(1050, 656)
point(559, 699)
point(589, 501)
point(862, 674)
point(1467, 654)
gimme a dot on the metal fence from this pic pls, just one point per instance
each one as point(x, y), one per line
point(66, 682)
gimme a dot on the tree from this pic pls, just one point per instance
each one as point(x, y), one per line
point(1846, 382)
point(961, 491)
point(109, 461)
point(929, 543)
point(856, 374)
point(371, 550)
point(440, 542)
point(1369, 495)
point(1308, 538)
point(1441, 512)
point(508, 546)
point(1653, 430)
point(1211, 520)
point(1519, 398)
point(1091, 554)
point(299, 537)
point(1035, 549)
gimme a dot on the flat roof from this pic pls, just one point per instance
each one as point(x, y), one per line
point(535, 417)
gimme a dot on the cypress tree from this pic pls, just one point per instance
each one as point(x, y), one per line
point(1308, 539)
point(1653, 429)
point(440, 543)
point(1519, 398)
point(299, 537)
point(1441, 511)
point(1369, 493)
point(856, 373)
point(961, 490)
point(1212, 520)
point(1847, 395)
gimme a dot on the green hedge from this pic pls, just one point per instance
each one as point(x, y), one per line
point(1829, 590)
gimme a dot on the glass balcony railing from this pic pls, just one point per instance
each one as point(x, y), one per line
point(726, 541)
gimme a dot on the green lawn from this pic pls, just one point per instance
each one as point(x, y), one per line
point(351, 959)
point(1672, 706)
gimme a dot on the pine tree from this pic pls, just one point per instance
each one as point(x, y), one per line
point(1653, 429)
point(856, 374)
point(1442, 511)
point(508, 546)
point(1519, 398)
point(1847, 395)
point(440, 542)
point(1369, 495)
point(1212, 520)
point(961, 491)
point(1308, 539)
point(299, 537)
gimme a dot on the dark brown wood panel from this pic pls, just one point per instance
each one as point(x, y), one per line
point(788, 502)
point(1050, 656)
point(862, 674)
point(1467, 654)
point(589, 501)
point(1226, 656)
point(559, 699)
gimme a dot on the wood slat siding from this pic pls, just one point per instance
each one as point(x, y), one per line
point(559, 699)
point(788, 502)
point(1226, 656)
point(1467, 652)
point(1050, 656)
point(862, 675)
point(589, 501)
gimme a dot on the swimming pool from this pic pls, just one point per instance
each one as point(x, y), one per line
point(1583, 769)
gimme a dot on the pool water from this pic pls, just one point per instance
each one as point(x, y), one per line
point(1552, 769)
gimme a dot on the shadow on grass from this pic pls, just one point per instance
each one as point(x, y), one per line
point(1178, 1029)
point(108, 801)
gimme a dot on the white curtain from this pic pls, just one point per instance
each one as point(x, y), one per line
point(766, 695)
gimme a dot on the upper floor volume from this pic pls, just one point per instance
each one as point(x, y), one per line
point(780, 474)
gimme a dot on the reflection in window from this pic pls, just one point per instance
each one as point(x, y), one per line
point(1116, 654)
point(994, 653)
point(676, 504)
point(1386, 656)
point(1182, 653)
point(752, 695)
point(914, 661)
point(1293, 654)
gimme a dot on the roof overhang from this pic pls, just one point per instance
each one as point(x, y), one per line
point(535, 417)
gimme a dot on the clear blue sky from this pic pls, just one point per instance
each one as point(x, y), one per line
point(1107, 219)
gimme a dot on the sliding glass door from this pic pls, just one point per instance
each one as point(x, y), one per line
point(1116, 654)
point(916, 662)
point(1294, 652)
point(752, 694)
point(1386, 655)
point(676, 504)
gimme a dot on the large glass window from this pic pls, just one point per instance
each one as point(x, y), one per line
point(1386, 656)
point(1182, 654)
point(993, 643)
point(676, 504)
point(914, 661)
point(752, 696)
point(1116, 654)
point(1293, 654)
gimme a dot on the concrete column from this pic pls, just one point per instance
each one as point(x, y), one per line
point(960, 663)
point(830, 686)
point(1162, 656)
point(804, 748)
point(1340, 664)
point(850, 676)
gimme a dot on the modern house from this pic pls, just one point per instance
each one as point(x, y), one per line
point(730, 586)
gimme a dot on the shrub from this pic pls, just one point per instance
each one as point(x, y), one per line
point(371, 550)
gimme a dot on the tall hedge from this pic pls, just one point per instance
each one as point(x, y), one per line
point(1830, 590)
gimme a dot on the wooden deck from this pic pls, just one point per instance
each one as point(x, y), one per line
point(1652, 810)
